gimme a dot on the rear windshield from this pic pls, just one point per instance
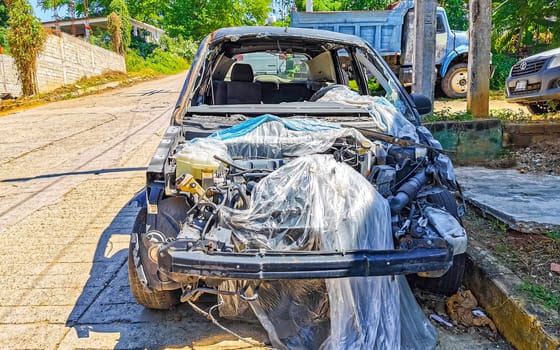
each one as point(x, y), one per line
point(282, 65)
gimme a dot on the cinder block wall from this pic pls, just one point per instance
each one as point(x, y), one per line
point(64, 60)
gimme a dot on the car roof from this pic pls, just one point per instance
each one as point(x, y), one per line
point(302, 34)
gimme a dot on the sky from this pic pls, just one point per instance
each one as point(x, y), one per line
point(44, 16)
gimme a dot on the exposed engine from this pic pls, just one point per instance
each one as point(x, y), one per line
point(423, 212)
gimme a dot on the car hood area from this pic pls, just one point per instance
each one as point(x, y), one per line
point(544, 54)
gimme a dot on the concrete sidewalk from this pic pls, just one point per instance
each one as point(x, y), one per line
point(526, 203)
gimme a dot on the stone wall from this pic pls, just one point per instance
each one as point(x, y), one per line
point(64, 60)
point(526, 134)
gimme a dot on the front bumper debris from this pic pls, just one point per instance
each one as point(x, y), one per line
point(275, 265)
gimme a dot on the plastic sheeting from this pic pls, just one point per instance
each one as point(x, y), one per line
point(316, 203)
point(385, 116)
point(269, 136)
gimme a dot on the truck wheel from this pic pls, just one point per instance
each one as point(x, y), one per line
point(456, 82)
point(450, 282)
point(160, 300)
point(543, 107)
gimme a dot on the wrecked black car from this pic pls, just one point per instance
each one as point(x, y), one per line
point(297, 184)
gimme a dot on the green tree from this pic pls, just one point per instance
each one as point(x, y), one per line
point(456, 13)
point(114, 27)
point(366, 4)
point(148, 11)
point(345, 5)
point(53, 5)
point(522, 27)
point(26, 38)
point(205, 16)
point(3, 14)
point(119, 8)
point(3, 27)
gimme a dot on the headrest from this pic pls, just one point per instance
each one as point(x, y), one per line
point(242, 72)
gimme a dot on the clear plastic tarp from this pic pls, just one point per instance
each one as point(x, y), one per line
point(385, 116)
point(272, 137)
point(315, 203)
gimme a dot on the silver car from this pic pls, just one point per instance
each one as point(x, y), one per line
point(535, 82)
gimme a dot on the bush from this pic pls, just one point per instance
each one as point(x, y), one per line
point(4, 40)
point(141, 47)
point(165, 62)
point(158, 62)
point(502, 64)
point(179, 46)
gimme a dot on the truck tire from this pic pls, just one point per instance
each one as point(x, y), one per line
point(151, 299)
point(456, 82)
point(450, 282)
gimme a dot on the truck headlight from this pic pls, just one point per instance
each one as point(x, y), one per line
point(555, 62)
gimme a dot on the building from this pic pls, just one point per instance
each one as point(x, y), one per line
point(77, 27)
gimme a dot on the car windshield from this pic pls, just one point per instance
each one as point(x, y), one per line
point(282, 65)
point(270, 74)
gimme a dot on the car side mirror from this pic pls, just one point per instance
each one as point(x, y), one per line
point(422, 103)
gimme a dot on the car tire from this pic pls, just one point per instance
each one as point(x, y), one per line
point(452, 280)
point(455, 83)
point(538, 108)
point(151, 299)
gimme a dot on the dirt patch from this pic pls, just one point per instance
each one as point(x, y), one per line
point(529, 256)
point(461, 106)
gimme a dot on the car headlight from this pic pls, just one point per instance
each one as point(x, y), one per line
point(555, 62)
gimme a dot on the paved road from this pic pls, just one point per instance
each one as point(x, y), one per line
point(67, 172)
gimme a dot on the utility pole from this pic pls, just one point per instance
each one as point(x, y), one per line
point(424, 58)
point(480, 23)
point(308, 5)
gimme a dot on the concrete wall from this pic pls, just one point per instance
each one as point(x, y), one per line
point(526, 134)
point(64, 60)
point(474, 140)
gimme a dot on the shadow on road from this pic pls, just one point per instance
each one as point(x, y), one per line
point(73, 173)
point(106, 314)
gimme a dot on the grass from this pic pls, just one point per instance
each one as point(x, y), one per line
point(554, 235)
point(505, 115)
point(541, 294)
point(527, 255)
point(497, 225)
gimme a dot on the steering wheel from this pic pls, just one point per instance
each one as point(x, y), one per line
point(322, 91)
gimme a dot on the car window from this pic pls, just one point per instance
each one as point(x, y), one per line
point(440, 26)
point(379, 84)
point(283, 65)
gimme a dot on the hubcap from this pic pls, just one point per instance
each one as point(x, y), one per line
point(459, 82)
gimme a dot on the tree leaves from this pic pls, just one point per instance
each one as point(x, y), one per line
point(523, 27)
point(26, 38)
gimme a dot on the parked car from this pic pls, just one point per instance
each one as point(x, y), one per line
point(270, 190)
point(535, 82)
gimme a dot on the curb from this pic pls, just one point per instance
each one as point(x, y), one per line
point(498, 292)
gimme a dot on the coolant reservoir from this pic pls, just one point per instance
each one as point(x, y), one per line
point(195, 163)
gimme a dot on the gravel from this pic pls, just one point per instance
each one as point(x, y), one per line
point(543, 158)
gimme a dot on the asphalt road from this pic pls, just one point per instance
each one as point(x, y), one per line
point(67, 172)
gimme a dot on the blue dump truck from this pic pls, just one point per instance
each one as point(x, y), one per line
point(391, 33)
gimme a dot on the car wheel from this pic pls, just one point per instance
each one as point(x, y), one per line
point(152, 299)
point(450, 282)
point(456, 82)
point(543, 107)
